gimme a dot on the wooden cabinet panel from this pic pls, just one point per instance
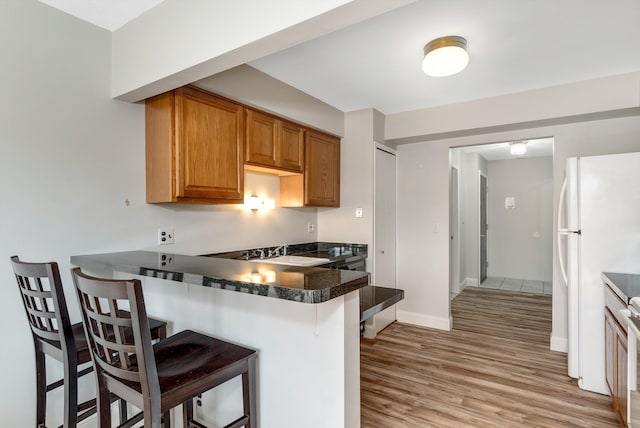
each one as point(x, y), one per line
point(261, 138)
point(291, 153)
point(616, 354)
point(273, 142)
point(319, 186)
point(195, 144)
point(322, 170)
point(610, 343)
point(621, 376)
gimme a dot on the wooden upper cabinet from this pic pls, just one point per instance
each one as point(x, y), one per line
point(291, 150)
point(319, 186)
point(273, 142)
point(194, 148)
point(322, 170)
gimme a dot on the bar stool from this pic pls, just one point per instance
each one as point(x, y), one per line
point(155, 378)
point(54, 335)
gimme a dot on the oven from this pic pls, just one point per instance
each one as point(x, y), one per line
point(632, 317)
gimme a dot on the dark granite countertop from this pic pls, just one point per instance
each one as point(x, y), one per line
point(625, 285)
point(336, 252)
point(376, 299)
point(300, 284)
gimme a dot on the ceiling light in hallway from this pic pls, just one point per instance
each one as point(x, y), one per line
point(518, 148)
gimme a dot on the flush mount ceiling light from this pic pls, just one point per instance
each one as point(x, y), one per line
point(445, 56)
point(518, 148)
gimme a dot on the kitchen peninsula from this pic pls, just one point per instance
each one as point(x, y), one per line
point(304, 322)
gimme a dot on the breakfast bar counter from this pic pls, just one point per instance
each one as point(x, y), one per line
point(303, 321)
point(299, 284)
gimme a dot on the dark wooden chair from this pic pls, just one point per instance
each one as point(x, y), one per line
point(155, 378)
point(54, 335)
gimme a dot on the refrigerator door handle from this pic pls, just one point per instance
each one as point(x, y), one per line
point(562, 231)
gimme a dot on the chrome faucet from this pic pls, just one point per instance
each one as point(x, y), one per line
point(276, 251)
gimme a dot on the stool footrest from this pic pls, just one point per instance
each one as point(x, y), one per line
point(240, 422)
point(132, 421)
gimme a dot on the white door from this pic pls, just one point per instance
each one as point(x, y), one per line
point(454, 265)
point(484, 263)
point(384, 265)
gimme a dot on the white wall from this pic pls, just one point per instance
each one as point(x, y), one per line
point(574, 102)
point(423, 234)
point(520, 239)
point(70, 158)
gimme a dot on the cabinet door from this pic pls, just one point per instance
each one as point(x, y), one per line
point(210, 137)
point(291, 147)
point(262, 132)
point(621, 375)
point(322, 170)
point(610, 344)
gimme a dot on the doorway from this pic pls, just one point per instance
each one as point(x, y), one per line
point(505, 217)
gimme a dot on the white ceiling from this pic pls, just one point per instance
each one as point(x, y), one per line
point(541, 147)
point(513, 45)
point(108, 14)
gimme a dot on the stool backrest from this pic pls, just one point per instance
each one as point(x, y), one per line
point(43, 299)
point(114, 350)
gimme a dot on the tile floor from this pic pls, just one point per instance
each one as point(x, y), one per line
point(512, 284)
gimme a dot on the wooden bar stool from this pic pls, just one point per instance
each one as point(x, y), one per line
point(54, 335)
point(155, 378)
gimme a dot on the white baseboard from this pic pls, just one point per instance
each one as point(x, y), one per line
point(469, 282)
point(559, 344)
point(422, 320)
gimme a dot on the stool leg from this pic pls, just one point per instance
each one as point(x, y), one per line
point(249, 393)
point(123, 411)
point(71, 392)
point(41, 388)
point(103, 402)
point(187, 413)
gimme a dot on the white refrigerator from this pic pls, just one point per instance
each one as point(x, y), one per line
point(598, 231)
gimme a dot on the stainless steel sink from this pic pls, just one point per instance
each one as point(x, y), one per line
point(294, 261)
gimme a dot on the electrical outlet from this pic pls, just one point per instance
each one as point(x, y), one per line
point(358, 212)
point(165, 236)
point(311, 227)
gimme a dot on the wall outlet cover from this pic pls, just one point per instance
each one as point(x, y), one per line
point(165, 236)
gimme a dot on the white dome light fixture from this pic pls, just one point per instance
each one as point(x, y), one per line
point(445, 56)
point(519, 148)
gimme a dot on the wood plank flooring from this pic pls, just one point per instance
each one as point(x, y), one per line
point(494, 369)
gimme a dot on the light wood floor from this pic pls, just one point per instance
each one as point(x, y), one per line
point(494, 369)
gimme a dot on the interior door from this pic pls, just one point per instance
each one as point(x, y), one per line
point(384, 271)
point(483, 229)
point(454, 268)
